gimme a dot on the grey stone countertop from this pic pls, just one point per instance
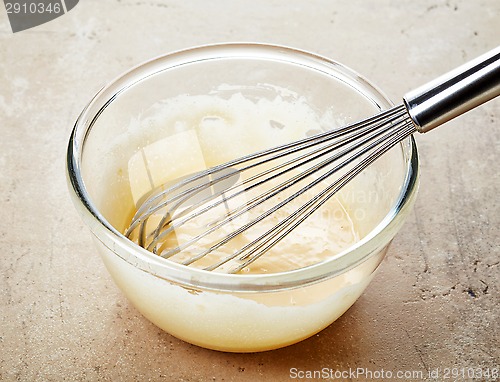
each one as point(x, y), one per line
point(434, 304)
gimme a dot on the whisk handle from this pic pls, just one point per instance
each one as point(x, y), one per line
point(455, 92)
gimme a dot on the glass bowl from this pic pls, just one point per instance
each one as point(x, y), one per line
point(232, 312)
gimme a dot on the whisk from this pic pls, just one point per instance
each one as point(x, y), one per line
point(277, 176)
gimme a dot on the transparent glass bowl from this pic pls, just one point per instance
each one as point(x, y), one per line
point(249, 312)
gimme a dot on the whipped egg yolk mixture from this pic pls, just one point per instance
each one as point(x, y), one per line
point(187, 134)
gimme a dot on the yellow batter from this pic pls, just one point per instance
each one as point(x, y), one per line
point(187, 134)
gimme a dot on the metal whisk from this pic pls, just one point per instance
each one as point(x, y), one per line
point(268, 180)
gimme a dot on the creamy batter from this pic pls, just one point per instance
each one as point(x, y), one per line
point(207, 130)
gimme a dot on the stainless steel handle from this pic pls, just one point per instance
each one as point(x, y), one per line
point(456, 92)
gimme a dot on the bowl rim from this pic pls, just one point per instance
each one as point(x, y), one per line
point(195, 278)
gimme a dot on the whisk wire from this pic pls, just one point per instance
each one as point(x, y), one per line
point(188, 199)
point(269, 193)
point(401, 122)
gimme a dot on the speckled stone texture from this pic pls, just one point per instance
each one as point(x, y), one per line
point(434, 303)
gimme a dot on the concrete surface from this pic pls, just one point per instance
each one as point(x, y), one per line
point(433, 305)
